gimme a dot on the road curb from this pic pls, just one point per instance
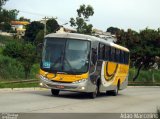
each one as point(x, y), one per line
point(21, 89)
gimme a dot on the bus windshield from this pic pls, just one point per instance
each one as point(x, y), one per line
point(65, 55)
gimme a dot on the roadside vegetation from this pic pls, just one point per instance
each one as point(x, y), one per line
point(146, 77)
point(19, 85)
point(12, 69)
point(14, 58)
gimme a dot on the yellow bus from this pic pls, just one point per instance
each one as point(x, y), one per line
point(83, 63)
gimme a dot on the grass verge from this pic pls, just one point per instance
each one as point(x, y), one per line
point(145, 75)
point(19, 85)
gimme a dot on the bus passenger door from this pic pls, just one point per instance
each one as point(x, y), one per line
point(93, 66)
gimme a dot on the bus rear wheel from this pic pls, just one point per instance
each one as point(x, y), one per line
point(55, 92)
point(115, 92)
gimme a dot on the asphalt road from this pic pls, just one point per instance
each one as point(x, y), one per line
point(132, 99)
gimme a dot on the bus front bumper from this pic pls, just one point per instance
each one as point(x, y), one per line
point(85, 86)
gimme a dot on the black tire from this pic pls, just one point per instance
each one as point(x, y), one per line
point(94, 94)
point(116, 91)
point(55, 92)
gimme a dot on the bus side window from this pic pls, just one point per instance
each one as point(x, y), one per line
point(112, 54)
point(117, 55)
point(101, 51)
point(122, 57)
point(94, 56)
point(126, 57)
point(107, 53)
point(93, 60)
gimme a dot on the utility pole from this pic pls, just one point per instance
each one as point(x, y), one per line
point(45, 25)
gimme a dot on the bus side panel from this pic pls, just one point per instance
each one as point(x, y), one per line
point(108, 71)
point(123, 75)
point(111, 73)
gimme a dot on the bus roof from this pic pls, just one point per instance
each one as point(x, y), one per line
point(86, 37)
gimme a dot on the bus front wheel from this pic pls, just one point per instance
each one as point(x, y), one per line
point(94, 94)
point(55, 92)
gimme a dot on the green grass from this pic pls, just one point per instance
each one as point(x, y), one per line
point(145, 75)
point(19, 85)
point(11, 69)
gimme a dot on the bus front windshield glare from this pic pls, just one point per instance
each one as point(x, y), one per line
point(65, 55)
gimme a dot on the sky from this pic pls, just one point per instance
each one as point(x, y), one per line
point(124, 14)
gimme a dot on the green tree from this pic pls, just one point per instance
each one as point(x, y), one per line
point(2, 2)
point(6, 27)
point(24, 19)
point(28, 58)
point(84, 12)
point(8, 15)
point(32, 30)
point(52, 26)
point(150, 42)
point(39, 37)
point(25, 53)
point(143, 46)
point(13, 49)
point(113, 30)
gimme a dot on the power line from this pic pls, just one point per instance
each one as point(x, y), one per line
point(60, 19)
point(33, 13)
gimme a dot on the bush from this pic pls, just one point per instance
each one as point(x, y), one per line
point(10, 68)
point(25, 53)
point(145, 75)
point(5, 39)
point(35, 71)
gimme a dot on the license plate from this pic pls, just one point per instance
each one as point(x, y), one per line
point(61, 87)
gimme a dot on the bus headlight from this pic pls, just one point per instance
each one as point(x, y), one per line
point(42, 77)
point(41, 84)
point(80, 81)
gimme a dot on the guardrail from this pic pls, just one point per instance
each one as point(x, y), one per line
point(21, 81)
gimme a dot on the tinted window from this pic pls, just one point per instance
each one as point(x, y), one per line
point(117, 57)
point(65, 55)
point(94, 56)
point(112, 54)
point(126, 58)
point(122, 56)
point(101, 51)
point(107, 52)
